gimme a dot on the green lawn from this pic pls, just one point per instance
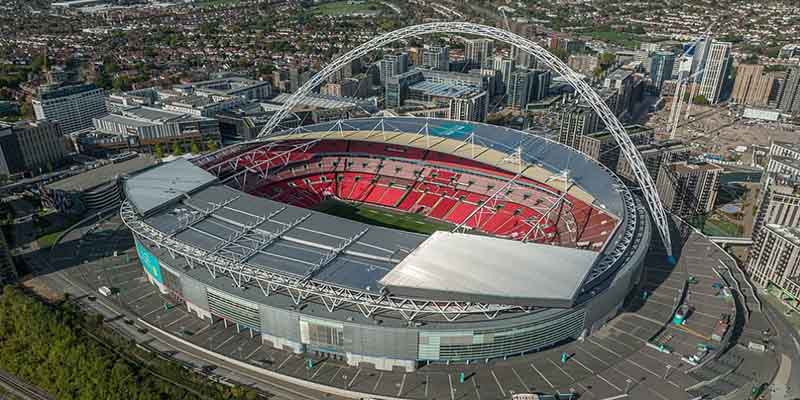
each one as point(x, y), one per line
point(382, 217)
point(721, 228)
point(772, 296)
point(628, 40)
point(212, 3)
point(49, 239)
point(346, 7)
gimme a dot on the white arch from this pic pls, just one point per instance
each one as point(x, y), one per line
point(586, 92)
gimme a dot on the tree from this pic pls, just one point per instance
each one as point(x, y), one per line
point(700, 100)
point(606, 59)
point(157, 151)
point(26, 110)
point(176, 149)
point(212, 145)
point(194, 148)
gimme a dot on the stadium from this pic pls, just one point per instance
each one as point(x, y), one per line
point(393, 242)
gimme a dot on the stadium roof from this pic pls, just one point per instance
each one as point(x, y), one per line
point(156, 187)
point(451, 265)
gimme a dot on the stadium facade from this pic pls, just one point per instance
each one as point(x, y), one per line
point(544, 243)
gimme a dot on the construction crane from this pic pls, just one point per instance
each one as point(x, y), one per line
point(677, 102)
point(680, 89)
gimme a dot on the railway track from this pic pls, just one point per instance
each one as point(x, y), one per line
point(21, 389)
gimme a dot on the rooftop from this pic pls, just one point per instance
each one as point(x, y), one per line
point(788, 233)
point(102, 175)
point(442, 89)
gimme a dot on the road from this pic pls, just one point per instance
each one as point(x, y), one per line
point(115, 317)
point(787, 342)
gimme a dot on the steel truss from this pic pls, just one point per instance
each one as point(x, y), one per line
point(302, 290)
point(586, 92)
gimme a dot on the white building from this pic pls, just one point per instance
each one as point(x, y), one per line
point(716, 71)
point(73, 106)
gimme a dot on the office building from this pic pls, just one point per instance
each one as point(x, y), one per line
point(789, 101)
point(437, 58)
point(688, 189)
point(603, 147)
point(752, 86)
point(661, 65)
point(96, 189)
point(775, 262)
point(654, 155)
point(622, 82)
point(584, 64)
point(479, 53)
point(247, 121)
point(31, 147)
point(392, 65)
point(790, 51)
point(715, 75)
point(345, 88)
point(73, 106)
point(144, 128)
point(429, 85)
point(245, 88)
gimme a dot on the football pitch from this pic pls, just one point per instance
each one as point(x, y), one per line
point(382, 217)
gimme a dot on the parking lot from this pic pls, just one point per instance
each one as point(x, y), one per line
point(615, 360)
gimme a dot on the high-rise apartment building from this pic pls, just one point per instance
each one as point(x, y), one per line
point(716, 70)
point(479, 53)
point(655, 155)
point(688, 189)
point(789, 101)
point(603, 147)
point(392, 65)
point(73, 106)
point(775, 261)
point(661, 65)
point(752, 86)
point(504, 66)
point(575, 121)
point(470, 107)
point(437, 58)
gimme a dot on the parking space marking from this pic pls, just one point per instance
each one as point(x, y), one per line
point(254, 352)
point(402, 384)
point(317, 371)
point(627, 334)
point(589, 353)
point(561, 369)
point(284, 362)
point(497, 381)
point(608, 382)
point(335, 374)
point(603, 347)
point(543, 377)
point(181, 318)
point(581, 364)
point(358, 371)
point(146, 295)
point(226, 341)
point(474, 384)
point(520, 378)
point(377, 382)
